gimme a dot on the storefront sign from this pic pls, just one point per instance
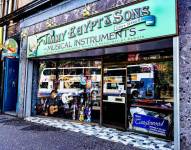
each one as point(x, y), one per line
point(151, 124)
point(10, 48)
point(144, 20)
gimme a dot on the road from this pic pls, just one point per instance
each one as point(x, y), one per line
point(17, 134)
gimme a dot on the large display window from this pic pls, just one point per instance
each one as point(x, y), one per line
point(150, 87)
point(70, 89)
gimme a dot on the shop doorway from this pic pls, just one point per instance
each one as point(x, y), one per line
point(114, 97)
point(10, 85)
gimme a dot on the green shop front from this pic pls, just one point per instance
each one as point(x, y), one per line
point(114, 69)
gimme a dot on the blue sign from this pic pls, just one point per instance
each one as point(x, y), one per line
point(151, 124)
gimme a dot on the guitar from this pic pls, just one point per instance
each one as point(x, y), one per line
point(39, 108)
point(53, 109)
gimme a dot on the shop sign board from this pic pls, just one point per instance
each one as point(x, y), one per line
point(145, 20)
point(10, 48)
point(150, 124)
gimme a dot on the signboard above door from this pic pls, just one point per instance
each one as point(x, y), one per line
point(10, 49)
point(142, 21)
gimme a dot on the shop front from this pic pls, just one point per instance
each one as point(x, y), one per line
point(10, 66)
point(114, 69)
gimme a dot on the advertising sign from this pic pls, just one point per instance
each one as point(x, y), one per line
point(150, 124)
point(145, 20)
point(10, 48)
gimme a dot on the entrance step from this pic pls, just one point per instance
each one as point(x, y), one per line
point(11, 113)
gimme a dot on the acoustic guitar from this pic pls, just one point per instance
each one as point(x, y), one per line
point(53, 109)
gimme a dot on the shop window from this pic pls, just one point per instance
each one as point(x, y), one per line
point(77, 86)
point(151, 96)
point(144, 81)
point(44, 85)
point(48, 72)
point(137, 91)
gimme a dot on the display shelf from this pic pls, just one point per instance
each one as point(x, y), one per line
point(170, 100)
point(96, 108)
point(116, 82)
point(79, 81)
point(152, 107)
point(154, 100)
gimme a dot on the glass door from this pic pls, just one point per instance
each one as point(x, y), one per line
point(114, 97)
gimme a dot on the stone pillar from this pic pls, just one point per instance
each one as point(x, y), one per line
point(22, 78)
point(35, 75)
point(184, 9)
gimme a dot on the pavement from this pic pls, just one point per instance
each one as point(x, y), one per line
point(18, 134)
point(137, 140)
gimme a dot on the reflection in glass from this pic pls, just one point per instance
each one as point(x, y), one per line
point(150, 87)
point(78, 87)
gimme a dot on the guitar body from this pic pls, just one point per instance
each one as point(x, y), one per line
point(53, 109)
point(39, 109)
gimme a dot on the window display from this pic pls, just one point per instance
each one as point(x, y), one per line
point(75, 86)
point(141, 80)
point(150, 87)
point(144, 81)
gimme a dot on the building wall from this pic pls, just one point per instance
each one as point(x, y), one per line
point(59, 9)
point(1, 8)
point(185, 72)
point(22, 3)
point(53, 16)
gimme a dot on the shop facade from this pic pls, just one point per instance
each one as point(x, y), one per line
point(123, 87)
point(10, 41)
point(116, 68)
